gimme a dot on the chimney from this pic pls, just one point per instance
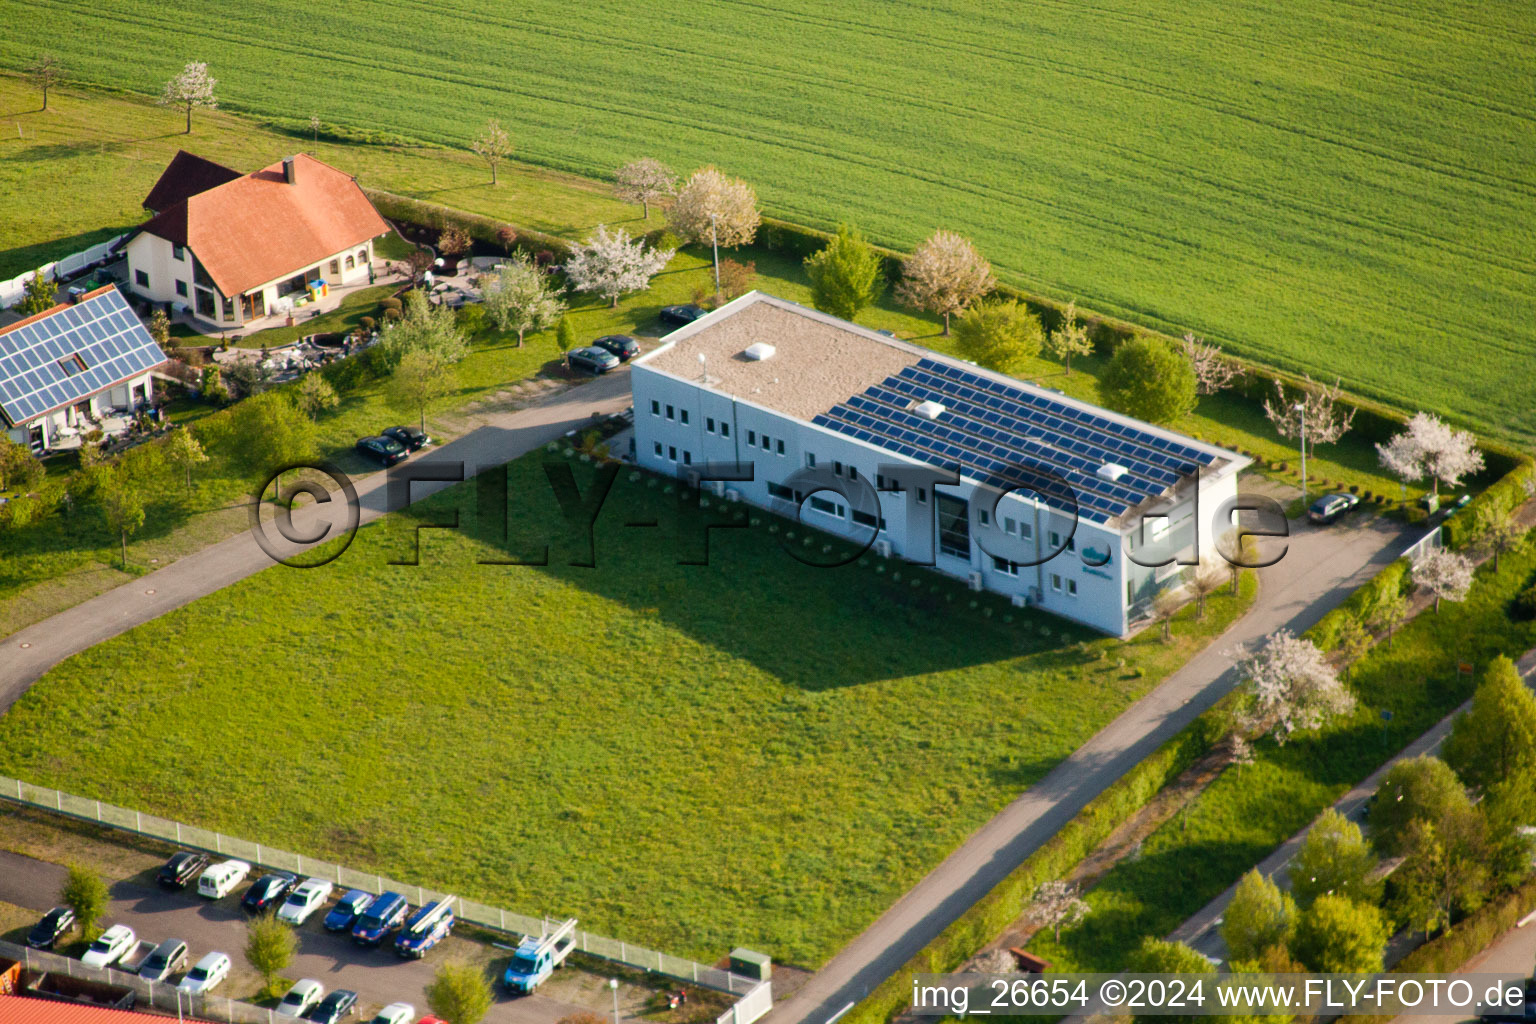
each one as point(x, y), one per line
point(290, 175)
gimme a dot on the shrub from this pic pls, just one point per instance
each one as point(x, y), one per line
point(1505, 494)
point(1354, 488)
point(367, 323)
point(1389, 582)
point(1523, 607)
point(391, 302)
point(1284, 467)
point(392, 313)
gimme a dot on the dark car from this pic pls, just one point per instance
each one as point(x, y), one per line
point(347, 910)
point(268, 891)
point(681, 316)
point(340, 1003)
point(168, 958)
point(409, 438)
point(593, 360)
point(383, 916)
point(179, 871)
point(385, 451)
point(49, 930)
point(621, 345)
point(1330, 507)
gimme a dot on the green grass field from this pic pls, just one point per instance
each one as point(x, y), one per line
point(1344, 189)
point(784, 752)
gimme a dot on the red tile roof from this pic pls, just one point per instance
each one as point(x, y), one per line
point(186, 176)
point(259, 228)
point(26, 1010)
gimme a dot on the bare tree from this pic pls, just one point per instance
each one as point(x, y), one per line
point(192, 88)
point(1290, 686)
point(1070, 338)
point(44, 73)
point(1327, 419)
point(493, 146)
point(1056, 903)
point(1429, 447)
point(712, 207)
point(1206, 581)
point(314, 129)
point(644, 181)
point(1443, 574)
point(611, 265)
point(1213, 371)
point(1164, 608)
point(944, 275)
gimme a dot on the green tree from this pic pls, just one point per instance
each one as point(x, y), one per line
point(123, 509)
point(269, 947)
point(38, 296)
point(422, 379)
point(1389, 613)
point(1148, 379)
point(999, 333)
point(17, 466)
point(1495, 530)
point(1159, 956)
point(1070, 338)
point(270, 433)
point(565, 339)
point(212, 387)
point(1259, 917)
point(1339, 936)
point(86, 894)
point(1438, 878)
point(1420, 788)
point(520, 298)
point(1354, 641)
point(845, 276)
point(315, 394)
point(183, 450)
point(459, 994)
point(160, 328)
point(422, 326)
point(1495, 739)
point(1334, 860)
point(1507, 807)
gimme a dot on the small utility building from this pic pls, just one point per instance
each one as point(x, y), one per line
point(1054, 503)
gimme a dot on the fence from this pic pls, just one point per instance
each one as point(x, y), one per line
point(12, 291)
point(1430, 542)
point(494, 918)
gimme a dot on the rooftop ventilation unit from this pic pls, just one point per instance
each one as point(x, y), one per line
point(758, 351)
point(930, 410)
point(1112, 471)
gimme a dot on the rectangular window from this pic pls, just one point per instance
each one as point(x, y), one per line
point(837, 467)
point(655, 407)
point(709, 424)
point(72, 365)
point(687, 458)
point(853, 473)
point(1159, 528)
point(1026, 531)
point(1072, 543)
point(181, 288)
point(1010, 527)
point(867, 519)
point(725, 429)
point(830, 508)
point(335, 268)
point(658, 448)
point(178, 253)
point(1056, 582)
point(683, 415)
point(780, 491)
point(1072, 588)
point(670, 413)
point(779, 447)
point(879, 481)
point(1055, 539)
point(954, 526)
point(985, 516)
point(672, 452)
point(141, 279)
point(1004, 566)
point(751, 437)
point(766, 442)
point(922, 496)
point(810, 460)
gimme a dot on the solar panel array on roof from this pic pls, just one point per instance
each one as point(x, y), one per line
point(1015, 438)
point(72, 353)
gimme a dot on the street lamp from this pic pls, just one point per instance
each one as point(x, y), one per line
point(1301, 412)
point(613, 983)
point(714, 241)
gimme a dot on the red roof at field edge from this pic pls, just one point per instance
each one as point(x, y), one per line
point(184, 177)
point(26, 1010)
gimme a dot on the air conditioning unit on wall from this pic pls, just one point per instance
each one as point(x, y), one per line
point(1020, 601)
point(732, 494)
point(719, 488)
point(975, 581)
point(883, 548)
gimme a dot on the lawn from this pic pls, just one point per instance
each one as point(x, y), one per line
point(635, 744)
point(1336, 189)
point(1251, 809)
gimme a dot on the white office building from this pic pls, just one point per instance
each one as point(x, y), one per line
point(1012, 487)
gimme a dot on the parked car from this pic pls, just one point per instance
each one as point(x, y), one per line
point(205, 974)
point(383, 450)
point(592, 360)
point(621, 345)
point(340, 1003)
point(304, 900)
point(410, 438)
point(181, 869)
point(681, 316)
point(220, 880)
point(268, 891)
point(426, 928)
point(303, 997)
point(131, 961)
point(347, 910)
point(383, 916)
point(1331, 506)
point(51, 928)
point(109, 947)
point(395, 1013)
point(168, 958)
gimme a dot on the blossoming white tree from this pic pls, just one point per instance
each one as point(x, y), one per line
point(1431, 448)
point(610, 264)
point(1055, 904)
point(519, 298)
point(1290, 686)
point(192, 88)
point(712, 207)
point(1213, 371)
point(944, 275)
point(644, 181)
point(1443, 574)
point(1325, 417)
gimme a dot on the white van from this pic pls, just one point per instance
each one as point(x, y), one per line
point(220, 879)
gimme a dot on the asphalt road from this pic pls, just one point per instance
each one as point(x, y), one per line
point(377, 975)
point(1320, 568)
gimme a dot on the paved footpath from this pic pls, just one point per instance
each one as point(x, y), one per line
point(32, 651)
point(1321, 568)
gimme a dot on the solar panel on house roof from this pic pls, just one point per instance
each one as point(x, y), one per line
point(71, 354)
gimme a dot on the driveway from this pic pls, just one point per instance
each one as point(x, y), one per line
point(1320, 567)
point(377, 975)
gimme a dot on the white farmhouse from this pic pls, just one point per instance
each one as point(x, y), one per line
point(1015, 488)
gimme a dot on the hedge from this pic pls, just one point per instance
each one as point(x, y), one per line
point(480, 228)
point(995, 911)
point(1506, 494)
point(1392, 580)
point(1448, 951)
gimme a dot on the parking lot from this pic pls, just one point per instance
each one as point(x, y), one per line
point(379, 976)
